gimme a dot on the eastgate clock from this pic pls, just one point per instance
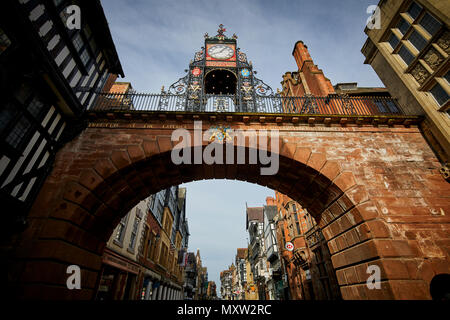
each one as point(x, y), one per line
point(221, 52)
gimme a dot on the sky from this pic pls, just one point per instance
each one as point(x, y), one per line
point(156, 40)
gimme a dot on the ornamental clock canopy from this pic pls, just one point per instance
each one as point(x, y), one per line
point(219, 69)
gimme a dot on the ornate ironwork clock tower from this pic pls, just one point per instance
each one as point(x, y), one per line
point(220, 79)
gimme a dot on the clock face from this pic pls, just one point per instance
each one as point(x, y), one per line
point(221, 52)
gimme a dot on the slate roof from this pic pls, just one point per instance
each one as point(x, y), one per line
point(241, 253)
point(254, 214)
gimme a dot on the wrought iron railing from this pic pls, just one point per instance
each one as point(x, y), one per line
point(332, 104)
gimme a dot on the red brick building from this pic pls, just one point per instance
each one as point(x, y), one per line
point(308, 266)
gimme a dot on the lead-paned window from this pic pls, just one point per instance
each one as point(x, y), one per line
point(85, 57)
point(439, 94)
point(414, 10)
point(18, 133)
point(406, 55)
point(447, 77)
point(403, 26)
point(36, 107)
point(393, 41)
point(417, 40)
point(430, 24)
point(78, 42)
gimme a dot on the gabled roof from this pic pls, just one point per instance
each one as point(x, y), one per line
point(241, 253)
point(95, 14)
point(270, 212)
point(254, 214)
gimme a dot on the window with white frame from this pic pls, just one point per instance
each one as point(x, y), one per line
point(134, 232)
point(121, 229)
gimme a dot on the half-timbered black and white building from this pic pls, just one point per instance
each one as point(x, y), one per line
point(48, 73)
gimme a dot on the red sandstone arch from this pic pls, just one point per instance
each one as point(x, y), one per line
point(96, 180)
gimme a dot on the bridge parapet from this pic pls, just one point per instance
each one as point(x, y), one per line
point(275, 103)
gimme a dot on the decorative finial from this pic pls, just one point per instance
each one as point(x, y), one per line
point(221, 29)
point(220, 32)
point(206, 35)
point(234, 36)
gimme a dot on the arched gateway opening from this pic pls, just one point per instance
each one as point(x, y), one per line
point(110, 167)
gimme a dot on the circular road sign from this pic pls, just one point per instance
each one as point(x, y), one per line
point(289, 246)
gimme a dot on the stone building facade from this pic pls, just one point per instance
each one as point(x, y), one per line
point(141, 257)
point(410, 53)
point(307, 266)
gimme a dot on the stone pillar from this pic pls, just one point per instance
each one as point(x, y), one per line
point(154, 293)
point(147, 291)
point(160, 292)
point(164, 293)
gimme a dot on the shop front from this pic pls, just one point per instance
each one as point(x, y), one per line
point(118, 277)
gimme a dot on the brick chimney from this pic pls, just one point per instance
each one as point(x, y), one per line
point(301, 54)
point(309, 79)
